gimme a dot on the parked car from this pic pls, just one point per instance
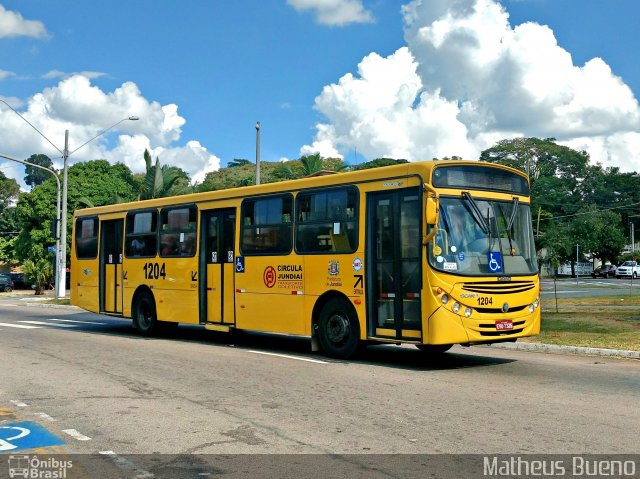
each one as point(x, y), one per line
point(606, 271)
point(6, 283)
point(628, 268)
point(18, 281)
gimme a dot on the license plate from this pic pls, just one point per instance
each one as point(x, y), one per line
point(505, 325)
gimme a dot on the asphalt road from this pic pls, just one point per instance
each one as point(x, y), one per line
point(587, 286)
point(208, 393)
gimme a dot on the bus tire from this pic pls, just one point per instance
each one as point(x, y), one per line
point(338, 329)
point(434, 349)
point(145, 319)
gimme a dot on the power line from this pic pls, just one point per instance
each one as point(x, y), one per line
point(590, 212)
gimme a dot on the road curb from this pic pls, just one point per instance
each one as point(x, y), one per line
point(554, 348)
point(53, 306)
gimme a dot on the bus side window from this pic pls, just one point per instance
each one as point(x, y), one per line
point(141, 236)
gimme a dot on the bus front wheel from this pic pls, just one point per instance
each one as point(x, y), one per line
point(338, 329)
point(144, 319)
point(434, 349)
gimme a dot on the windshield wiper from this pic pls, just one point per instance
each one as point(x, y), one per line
point(509, 222)
point(477, 215)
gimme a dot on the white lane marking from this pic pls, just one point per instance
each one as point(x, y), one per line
point(18, 403)
point(10, 305)
point(289, 357)
point(124, 463)
point(45, 416)
point(55, 325)
point(21, 326)
point(76, 435)
point(72, 321)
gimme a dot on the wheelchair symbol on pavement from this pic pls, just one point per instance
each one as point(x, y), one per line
point(494, 260)
point(26, 435)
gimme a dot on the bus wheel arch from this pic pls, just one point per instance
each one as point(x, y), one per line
point(143, 311)
point(335, 325)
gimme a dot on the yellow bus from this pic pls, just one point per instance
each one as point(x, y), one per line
point(429, 253)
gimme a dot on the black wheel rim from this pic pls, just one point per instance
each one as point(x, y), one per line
point(338, 328)
point(144, 315)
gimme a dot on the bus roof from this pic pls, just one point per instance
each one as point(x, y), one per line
point(417, 168)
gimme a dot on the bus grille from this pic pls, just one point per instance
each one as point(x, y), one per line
point(499, 311)
point(498, 287)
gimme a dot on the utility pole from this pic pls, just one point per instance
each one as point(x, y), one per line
point(257, 153)
point(577, 275)
point(62, 267)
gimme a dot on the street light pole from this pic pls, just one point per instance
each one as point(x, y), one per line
point(257, 153)
point(61, 269)
point(58, 253)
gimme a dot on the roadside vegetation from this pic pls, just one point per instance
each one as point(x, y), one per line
point(591, 322)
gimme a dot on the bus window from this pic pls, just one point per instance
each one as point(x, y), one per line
point(178, 231)
point(327, 221)
point(86, 238)
point(141, 234)
point(266, 225)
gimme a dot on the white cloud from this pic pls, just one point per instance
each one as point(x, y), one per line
point(335, 12)
point(13, 25)
point(466, 79)
point(75, 104)
point(6, 74)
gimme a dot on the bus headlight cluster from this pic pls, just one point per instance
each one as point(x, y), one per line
point(467, 312)
point(456, 307)
point(444, 299)
point(534, 305)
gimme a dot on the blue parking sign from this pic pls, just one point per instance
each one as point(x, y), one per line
point(25, 435)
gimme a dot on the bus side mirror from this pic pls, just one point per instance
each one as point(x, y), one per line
point(431, 213)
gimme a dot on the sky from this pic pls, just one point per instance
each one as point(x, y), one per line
point(356, 79)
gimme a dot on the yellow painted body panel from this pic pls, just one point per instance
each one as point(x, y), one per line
point(279, 293)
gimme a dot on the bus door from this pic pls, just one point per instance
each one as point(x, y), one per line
point(111, 281)
point(394, 264)
point(217, 255)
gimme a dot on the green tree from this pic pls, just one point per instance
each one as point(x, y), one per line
point(9, 191)
point(97, 180)
point(162, 180)
point(35, 176)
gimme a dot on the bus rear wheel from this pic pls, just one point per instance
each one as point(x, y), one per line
point(434, 349)
point(338, 329)
point(144, 315)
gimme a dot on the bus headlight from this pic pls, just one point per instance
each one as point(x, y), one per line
point(444, 299)
point(531, 308)
point(536, 303)
point(467, 312)
point(456, 307)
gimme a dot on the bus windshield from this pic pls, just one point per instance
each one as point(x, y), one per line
point(483, 238)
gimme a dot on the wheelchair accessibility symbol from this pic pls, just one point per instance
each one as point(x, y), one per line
point(26, 435)
point(494, 261)
point(239, 264)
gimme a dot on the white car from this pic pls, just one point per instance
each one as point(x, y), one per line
point(628, 268)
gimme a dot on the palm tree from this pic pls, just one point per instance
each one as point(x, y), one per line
point(162, 180)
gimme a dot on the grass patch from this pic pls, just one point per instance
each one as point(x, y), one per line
point(603, 329)
point(549, 303)
point(57, 301)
